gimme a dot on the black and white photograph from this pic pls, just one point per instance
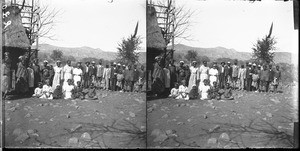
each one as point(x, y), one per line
point(74, 73)
point(222, 74)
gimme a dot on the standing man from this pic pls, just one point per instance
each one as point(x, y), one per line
point(173, 75)
point(249, 77)
point(264, 79)
point(228, 72)
point(45, 72)
point(113, 77)
point(181, 72)
point(222, 75)
point(106, 76)
point(271, 76)
point(242, 77)
point(36, 72)
point(259, 77)
point(93, 73)
point(235, 72)
point(85, 70)
point(100, 70)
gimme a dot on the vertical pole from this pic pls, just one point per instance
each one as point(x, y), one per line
point(173, 30)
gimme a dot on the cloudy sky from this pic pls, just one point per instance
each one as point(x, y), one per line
point(238, 24)
point(96, 23)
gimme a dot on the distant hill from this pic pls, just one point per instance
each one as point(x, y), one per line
point(85, 52)
point(221, 52)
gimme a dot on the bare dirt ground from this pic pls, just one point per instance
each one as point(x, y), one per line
point(254, 120)
point(115, 120)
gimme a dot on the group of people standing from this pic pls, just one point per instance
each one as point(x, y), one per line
point(113, 77)
point(249, 77)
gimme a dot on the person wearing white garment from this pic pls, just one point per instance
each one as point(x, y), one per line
point(58, 75)
point(77, 72)
point(68, 71)
point(193, 78)
point(202, 74)
point(213, 74)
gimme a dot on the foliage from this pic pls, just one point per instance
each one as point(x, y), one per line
point(191, 55)
point(56, 55)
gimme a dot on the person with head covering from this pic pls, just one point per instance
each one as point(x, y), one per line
point(68, 73)
point(113, 77)
point(68, 89)
point(235, 72)
point(174, 91)
point(93, 73)
point(36, 72)
point(181, 72)
point(100, 69)
point(182, 90)
point(57, 93)
point(193, 77)
point(47, 90)
point(77, 72)
point(86, 81)
point(22, 77)
point(202, 73)
point(222, 75)
point(52, 72)
point(38, 91)
point(45, 71)
point(242, 77)
point(228, 72)
point(204, 90)
point(106, 76)
point(58, 75)
point(158, 85)
point(213, 74)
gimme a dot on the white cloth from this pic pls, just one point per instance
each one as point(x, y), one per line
point(57, 77)
point(213, 73)
point(183, 93)
point(193, 78)
point(67, 74)
point(47, 92)
point(38, 92)
point(68, 91)
point(202, 74)
point(174, 92)
point(30, 77)
point(204, 91)
point(77, 75)
point(167, 78)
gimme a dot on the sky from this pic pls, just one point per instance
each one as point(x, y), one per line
point(96, 23)
point(238, 24)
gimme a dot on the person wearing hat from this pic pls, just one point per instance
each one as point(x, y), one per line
point(235, 72)
point(100, 70)
point(93, 73)
point(113, 77)
point(77, 72)
point(228, 72)
point(68, 73)
point(85, 71)
point(202, 74)
point(249, 72)
point(222, 75)
point(213, 74)
point(106, 76)
point(242, 77)
point(45, 72)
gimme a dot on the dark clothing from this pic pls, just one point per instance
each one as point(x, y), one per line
point(37, 75)
point(77, 93)
point(222, 77)
point(57, 93)
point(173, 76)
point(45, 73)
point(92, 71)
point(51, 71)
point(136, 75)
point(182, 75)
point(22, 79)
point(113, 78)
point(128, 77)
point(193, 94)
point(86, 81)
point(271, 74)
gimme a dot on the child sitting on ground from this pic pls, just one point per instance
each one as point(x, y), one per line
point(174, 91)
point(68, 89)
point(78, 91)
point(193, 93)
point(204, 90)
point(57, 94)
point(183, 94)
point(227, 95)
point(38, 92)
point(274, 85)
point(214, 92)
point(91, 94)
point(47, 91)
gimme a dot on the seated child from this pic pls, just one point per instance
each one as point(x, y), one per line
point(78, 91)
point(194, 92)
point(227, 95)
point(68, 89)
point(274, 85)
point(57, 94)
point(182, 90)
point(47, 91)
point(91, 94)
point(214, 92)
point(204, 89)
point(38, 92)
point(174, 91)
point(120, 78)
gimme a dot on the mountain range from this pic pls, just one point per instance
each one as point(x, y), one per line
point(85, 52)
point(221, 52)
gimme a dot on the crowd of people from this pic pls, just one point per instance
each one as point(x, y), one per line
point(213, 82)
point(80, 81)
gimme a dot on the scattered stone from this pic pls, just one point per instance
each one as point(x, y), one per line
point(161, 138)
point(131, 114)
point(258, 113)
point(215, 128)
point(177, 144)
point(212, 141)
point(139, 100)
point(224, 137)
point(86, 136)
point(275, 100)
point(180, 123)
point(17, 132)
point(165, 116)
point(156, 132)
point(31, 131)
point(143, 128)
point(28, 115)
point(76, 127)
point(12, 109)
point(43, 122)
point(73, 141)
point(68, 116)
point(182, 104)
point(121, 112)
point(21, 138)
point(269, 114)
point(171, 133)
point(205, 116)
point(189, 120)
point(150, 109)
point(7, 119)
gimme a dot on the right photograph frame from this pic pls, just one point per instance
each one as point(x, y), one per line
point(222, 74)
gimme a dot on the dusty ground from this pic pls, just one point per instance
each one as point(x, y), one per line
point(115, 120)
point(250, 120)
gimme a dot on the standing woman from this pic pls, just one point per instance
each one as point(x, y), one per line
point(58, 75)
point(193, 77)
point(5, 79)
point(158, 85)
point(202, 74)
point(213, 74)
point(68, 70)
point(30, 79)
point(77, 74)
point(22, 77)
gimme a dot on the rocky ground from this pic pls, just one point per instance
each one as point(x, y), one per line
point(115, 120)
point(254, 120)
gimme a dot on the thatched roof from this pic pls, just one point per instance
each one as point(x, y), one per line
point(154, 36)
point(14, 35)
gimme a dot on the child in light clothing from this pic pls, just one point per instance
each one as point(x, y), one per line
point(68, 89)
point(183, 91)
point(47, 91)
point(38, 92)
point(204, 89)
point(174, 91)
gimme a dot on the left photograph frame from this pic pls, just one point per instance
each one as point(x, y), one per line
point(73, 74)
